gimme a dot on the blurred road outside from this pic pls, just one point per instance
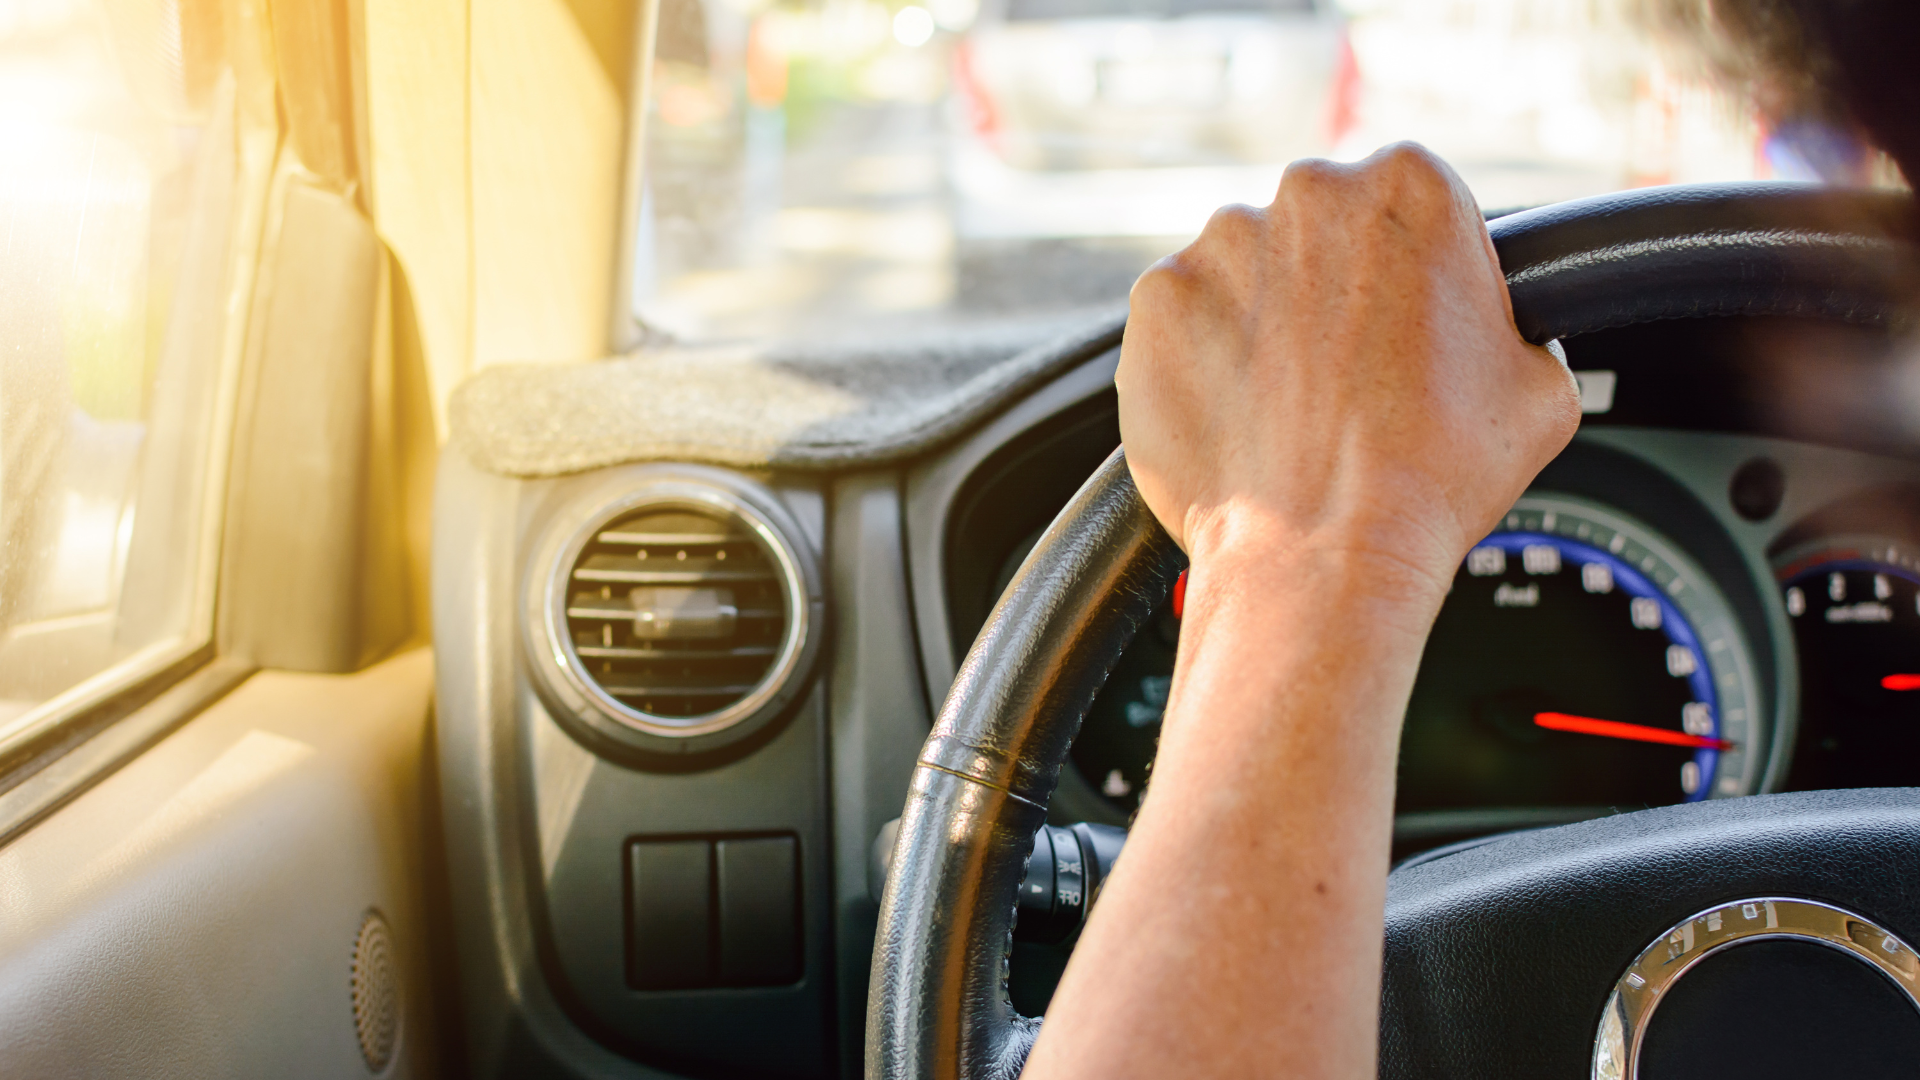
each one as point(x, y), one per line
point(816, 171)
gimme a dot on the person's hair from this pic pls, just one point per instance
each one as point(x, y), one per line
point(1851, 63)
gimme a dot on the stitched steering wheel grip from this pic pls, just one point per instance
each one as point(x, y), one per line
point(937, 1005)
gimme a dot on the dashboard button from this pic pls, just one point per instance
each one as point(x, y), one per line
point(759, 910)
point(671, 920)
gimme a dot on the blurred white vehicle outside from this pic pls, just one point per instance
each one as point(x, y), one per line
point(1137, 117)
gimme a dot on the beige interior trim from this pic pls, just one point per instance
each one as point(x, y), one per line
point(71, 770)
point(194, 913)
point(20, 735)
point(313, 52)
point(418, 89)
point(547, 127)
point(498, 143)
point(315, 562)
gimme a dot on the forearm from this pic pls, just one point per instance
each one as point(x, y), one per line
point(1324, 402)
point(1271, 800)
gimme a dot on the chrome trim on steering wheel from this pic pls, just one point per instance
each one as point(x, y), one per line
point(1623, 1024)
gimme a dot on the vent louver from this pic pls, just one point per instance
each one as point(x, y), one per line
point(675, 613)
point(679, 610)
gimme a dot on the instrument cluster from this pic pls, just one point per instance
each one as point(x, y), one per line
point(1626, 640)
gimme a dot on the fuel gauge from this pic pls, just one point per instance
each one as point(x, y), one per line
point(1854, 602)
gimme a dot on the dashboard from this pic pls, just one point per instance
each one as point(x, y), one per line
point(677, 774)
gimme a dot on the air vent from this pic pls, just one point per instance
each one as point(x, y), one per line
point(676, 614)
point(682, 611)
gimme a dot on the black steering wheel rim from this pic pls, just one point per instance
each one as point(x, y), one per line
point(938, 1006)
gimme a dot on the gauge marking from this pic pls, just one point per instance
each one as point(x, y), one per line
point(1596, 577)
point(1645, 613)
point(1681, 662)
point(1486, 561)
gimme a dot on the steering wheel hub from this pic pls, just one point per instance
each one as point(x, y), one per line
point(1851, 988)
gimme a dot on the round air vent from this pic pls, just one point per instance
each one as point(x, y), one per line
point(680, 614)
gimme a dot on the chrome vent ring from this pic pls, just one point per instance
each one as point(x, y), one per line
point(678, 613)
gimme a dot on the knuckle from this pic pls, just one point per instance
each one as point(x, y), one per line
point(1232, 235)
point(1309, 178)
point(1233, 226)
point(1410, 159)
point(1161, 286)
point(1410, 174)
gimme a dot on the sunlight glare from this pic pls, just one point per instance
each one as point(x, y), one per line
point(913, 26)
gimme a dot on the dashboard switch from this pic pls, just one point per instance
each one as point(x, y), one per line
point(671, 921)
point(759, 910)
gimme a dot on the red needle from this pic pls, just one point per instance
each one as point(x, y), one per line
point(1901, 682)
point(1613, 729)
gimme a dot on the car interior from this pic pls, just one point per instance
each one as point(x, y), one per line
point(445, 632)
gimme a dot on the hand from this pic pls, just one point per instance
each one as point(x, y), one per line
point(1339, 373)
point(1325, 402)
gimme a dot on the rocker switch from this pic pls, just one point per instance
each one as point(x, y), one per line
point(759, 910)
point(671, 892)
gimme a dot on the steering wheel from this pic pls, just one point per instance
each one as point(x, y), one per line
point(1541, 954)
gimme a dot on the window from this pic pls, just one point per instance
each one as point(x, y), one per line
point(899, 167)
point(123, 163)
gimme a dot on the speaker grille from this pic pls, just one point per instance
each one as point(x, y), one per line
point(376, 993)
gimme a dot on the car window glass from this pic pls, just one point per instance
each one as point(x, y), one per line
point(118, 179)
point(1020, 10)
point(913, 167)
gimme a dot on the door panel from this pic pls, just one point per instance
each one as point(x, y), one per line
point(196, 913)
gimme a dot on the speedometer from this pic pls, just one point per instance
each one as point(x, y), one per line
point(1581, 660)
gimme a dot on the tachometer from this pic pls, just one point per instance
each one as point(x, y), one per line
point(1854, 602)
